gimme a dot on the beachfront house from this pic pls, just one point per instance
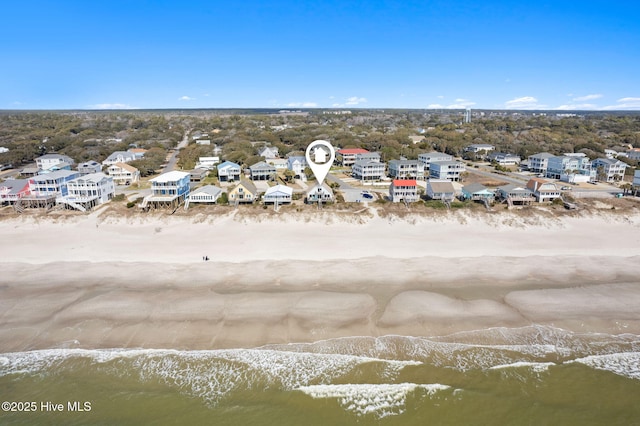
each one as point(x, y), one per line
point(119, 157)
point(477, 192)
point(543, 190)
point(347, 156)
point(168, 190)
point(366, 170)
point(608, 169)
point(53, 162)
point(52, 184)
point(13, 189)
point(228, 172)
point(207, 194)
point(440, 189)
point(571, 167)
point(319, 193)
point(89, 167)
point(503, 158)
point(403, 190)
point(538, 163)
point(428, 157)
point(446, 170)
point(297, 164)
point(88, 191)
point(515, 194)
point(245, 192)
point(262, 171)
point(278, 194)
point(406, 169)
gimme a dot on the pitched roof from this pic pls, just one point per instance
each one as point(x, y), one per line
point(474, 187)
point(441, 186)
point(227, 164)
point(248, 185)
point(208, 189)
point(279, 188)
point(126, 167)
point(172, 176)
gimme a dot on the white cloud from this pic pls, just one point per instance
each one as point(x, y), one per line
point(354, 100)
point(302, 105)
point(576, 107)
point(435, 106)
point(112, 106)
point(587, 97)
point(625, 103)
point(186, 98)
point(458, 104)
point(525, 102)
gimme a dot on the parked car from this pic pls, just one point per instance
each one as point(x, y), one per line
point(566, 188)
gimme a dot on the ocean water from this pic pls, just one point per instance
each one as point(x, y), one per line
point(526, 376)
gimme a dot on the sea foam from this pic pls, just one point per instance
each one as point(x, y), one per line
point(623, 364)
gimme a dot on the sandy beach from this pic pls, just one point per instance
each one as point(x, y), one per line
point(101, 281)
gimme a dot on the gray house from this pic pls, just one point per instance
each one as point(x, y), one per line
point(262, 171)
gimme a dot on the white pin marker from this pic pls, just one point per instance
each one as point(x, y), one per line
point(320, 155)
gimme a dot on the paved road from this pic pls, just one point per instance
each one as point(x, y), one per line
point(171, 163)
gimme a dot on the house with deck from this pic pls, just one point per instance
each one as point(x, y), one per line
point(347, 156)
point(13, 189)
point(504, 158)
point(480, 149)
point(53, 162)
point(319, 193)
point(262, 171)
point(297, 164)
point(89, 167)
point(169, 190)
point(404, 190)
point(123, 174)
point(477, 192)
point(515, 194)
point(446, 170)
point(428, 157)
point(207, 194)
point(543, 190)
point(366, 170)
point(609, 169)
point(228, 171)
point(440, 189)
point(538, 163)
point(88, 191)
point(245, 192)
point(278, 194)
point(406, 169)
point(571, 167)
point(208, 163)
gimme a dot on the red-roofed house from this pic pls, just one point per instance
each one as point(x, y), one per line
point(347, 156)
point(404, 190)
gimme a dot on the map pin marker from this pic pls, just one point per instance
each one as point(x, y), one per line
point(320, 155)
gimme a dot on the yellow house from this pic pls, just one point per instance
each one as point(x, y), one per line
point(243, 192)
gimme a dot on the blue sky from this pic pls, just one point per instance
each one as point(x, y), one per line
point(68, 54)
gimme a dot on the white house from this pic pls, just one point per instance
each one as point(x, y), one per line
point(504, 159)
point(88, 191)
point(446, 170)
point(406, 169)
point(440, 189)
point(297, 164)
point(268, 152)
point(368, 170)
point(208, 163)
point(403, 190)
point(515, 194)
point(48, 161)
point(278, 194)
point(119, 157)
point(563, 166)
point(319, 193)
point(228, 172)
point(347, 156)
point(608, 169)
point(543, 190)
point(208, 194)
point(538, 163)
point(428, 157)
point(123, 174)
point(368, 156)
point(479, 147)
